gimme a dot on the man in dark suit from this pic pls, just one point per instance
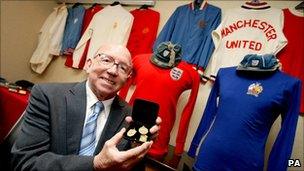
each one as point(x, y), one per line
point(53, 133)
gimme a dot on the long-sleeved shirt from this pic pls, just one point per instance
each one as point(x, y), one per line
point(243, 107)
point(164, 86)
point(88, 15)
point(243, 31)
point(50, 39)
point(292, 56)
point(110, 25)
point(72, 31)
point(143, 32)
point(191, 28)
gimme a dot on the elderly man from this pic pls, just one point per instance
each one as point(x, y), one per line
point(79, 126)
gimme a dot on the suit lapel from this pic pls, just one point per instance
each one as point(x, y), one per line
point(114, 122)
point(76, 108)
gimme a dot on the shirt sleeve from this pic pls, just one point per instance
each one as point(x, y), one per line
point(216, 38)
point(57, 31)
point(47, 23)
point(166, 33)
point(186, 114)
point(282, 41)
point(41, 57)
point(207, 119)
point(282, 148)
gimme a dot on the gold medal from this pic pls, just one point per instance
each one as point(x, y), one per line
point(131, 132)
point(143, 130)
point(143, 138)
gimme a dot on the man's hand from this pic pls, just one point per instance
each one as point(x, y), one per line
point(111, 159)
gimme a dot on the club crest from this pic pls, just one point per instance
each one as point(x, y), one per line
point(255, 89)
point(145, 30)
point(166, 53)
point(176, 73)
point(255, 62)
point(202, 24)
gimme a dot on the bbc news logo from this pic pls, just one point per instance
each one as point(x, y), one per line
point(294, 163)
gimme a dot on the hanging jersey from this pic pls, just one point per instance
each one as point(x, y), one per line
point(72, 31)
point(105, 27)
point(191, 28)
point(143, 31)
point(243, 32)
point(292, 56)
point(243, 108)
point(50, 39)
point(164, 86)
point(88, 15)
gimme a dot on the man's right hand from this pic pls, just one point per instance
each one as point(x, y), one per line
point(110, 158)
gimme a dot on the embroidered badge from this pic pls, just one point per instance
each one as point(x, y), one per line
point(255, 89)
point(202, 24)
point(166, 53)
point(255, 62)
point(145, 30)
point(75, 20)
point(176, 73)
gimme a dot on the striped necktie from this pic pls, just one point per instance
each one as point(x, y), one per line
point(87, 145)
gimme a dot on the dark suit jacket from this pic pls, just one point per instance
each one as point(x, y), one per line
point(51, 132)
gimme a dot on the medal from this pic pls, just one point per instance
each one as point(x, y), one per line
point(131, 132)
point(143, 138)
point(143, 130)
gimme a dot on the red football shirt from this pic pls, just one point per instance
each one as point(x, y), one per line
point(164, 86)
point(292, 56)
point(143, 32)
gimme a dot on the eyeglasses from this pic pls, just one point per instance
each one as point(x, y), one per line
point(109, 61)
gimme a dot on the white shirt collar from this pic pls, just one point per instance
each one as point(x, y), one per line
point(103, 116)
point(92, 99)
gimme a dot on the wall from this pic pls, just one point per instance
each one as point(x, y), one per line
point(21, 21)
point(20, 25)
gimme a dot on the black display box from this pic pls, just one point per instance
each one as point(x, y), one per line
point(144, 114)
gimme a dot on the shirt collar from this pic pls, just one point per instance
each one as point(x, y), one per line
point(203, 5)
point(92, 99)
point(60, 7)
